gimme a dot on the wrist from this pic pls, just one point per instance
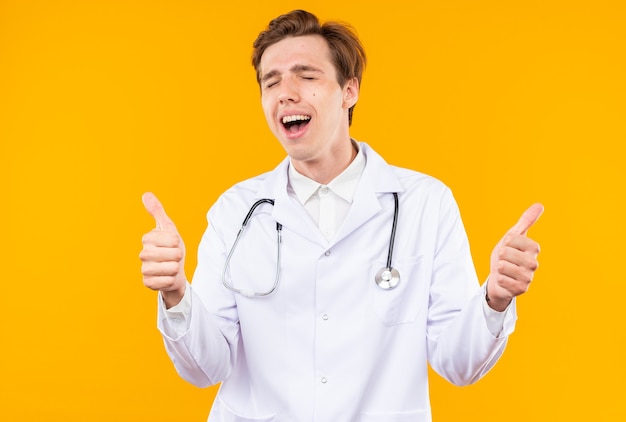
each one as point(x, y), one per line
point(494, 302)
point(173, 297)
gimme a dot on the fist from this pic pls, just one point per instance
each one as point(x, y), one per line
point(513, 261)
point(163, 254)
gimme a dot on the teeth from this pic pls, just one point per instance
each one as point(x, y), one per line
point(295, 117)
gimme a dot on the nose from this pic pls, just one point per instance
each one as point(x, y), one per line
point(288, 92)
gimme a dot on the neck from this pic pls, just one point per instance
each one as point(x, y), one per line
point(325, 170)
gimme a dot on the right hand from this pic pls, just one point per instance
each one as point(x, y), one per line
point(163, 255)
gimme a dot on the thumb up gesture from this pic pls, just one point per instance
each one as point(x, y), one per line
point(163, 255)
point(513, 261)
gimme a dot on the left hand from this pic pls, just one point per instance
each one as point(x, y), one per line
point(513, 261)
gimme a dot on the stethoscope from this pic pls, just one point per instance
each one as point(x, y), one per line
point(386, 278)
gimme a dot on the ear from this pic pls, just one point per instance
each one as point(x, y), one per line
point(350, 92)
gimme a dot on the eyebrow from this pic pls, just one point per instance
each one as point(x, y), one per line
point(298, 68)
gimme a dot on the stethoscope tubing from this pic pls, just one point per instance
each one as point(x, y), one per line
point(393, 229)
point(387, 278)
point(279, 229)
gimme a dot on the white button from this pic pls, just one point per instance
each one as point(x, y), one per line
point(324, 191)
point(324, 380)
point(325, 317)
point(327, 253)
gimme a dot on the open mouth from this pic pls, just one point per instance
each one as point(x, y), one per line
point(295, 123)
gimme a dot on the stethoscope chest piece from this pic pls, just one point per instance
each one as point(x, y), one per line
point(387, 278)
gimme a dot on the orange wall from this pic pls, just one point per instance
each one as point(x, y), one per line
point(508, 102)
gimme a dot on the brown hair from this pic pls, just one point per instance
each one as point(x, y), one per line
point(346, 51)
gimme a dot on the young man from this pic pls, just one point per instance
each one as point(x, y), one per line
point(320, 310)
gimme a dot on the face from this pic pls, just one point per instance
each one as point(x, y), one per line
point(305, 107)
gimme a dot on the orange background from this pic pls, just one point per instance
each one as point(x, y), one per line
point(508, 102)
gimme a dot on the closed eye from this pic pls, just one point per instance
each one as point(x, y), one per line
point(271, 84)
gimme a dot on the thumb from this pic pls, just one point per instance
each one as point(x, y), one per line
point(154, 207)
point(526, 221)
